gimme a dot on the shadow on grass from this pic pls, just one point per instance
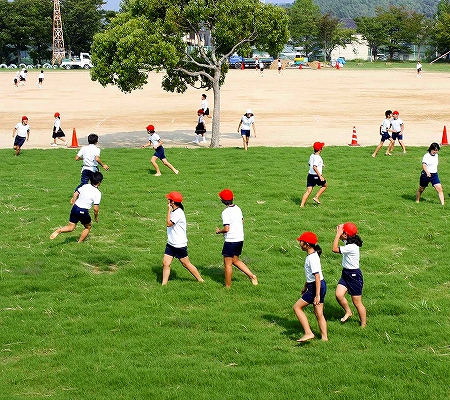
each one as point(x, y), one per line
point(411, 197)
point(215, 273)
point(173, 273)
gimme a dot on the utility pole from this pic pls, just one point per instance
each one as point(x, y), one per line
point(58, 52)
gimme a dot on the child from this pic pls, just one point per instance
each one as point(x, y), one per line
point(155, 141)
point(204, 106)
point(315, 287)
point(429, 173)
point(351, 278)
point(91, 158)
point(247, 121)
point(21, 132)
point(397, 127)
point(315, 176)
point(83, 199)
point(385, 128)
point(16, 79)
point(233, 233)
point(40, 79)
point(200, 128)
point(176, 238)
point(58, 133)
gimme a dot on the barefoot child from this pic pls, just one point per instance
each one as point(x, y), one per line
point(315, 176)
point(315, 287)
point(351, 278)
point(385, 128)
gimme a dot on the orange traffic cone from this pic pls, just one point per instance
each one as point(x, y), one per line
point(337, 65)
point(444, 137)
point(242, 65)
point(74, 139)
point(354, 138)
point(318, 65)
point(301, 66)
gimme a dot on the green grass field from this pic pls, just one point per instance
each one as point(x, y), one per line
point(92, 321)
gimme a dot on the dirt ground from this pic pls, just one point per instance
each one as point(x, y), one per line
point(296, 108)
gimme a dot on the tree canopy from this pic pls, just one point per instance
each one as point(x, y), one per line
point(190, 40)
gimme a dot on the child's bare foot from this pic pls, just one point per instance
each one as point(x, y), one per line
point(325, 338)
point(158, 174)
point(254, 280)
point(54, 234)
point(316, 200)
point(306, 337)
point(346, 317)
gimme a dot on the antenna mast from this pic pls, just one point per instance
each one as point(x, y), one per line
point(58, 52)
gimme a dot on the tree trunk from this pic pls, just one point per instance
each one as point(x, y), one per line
point(215, 134)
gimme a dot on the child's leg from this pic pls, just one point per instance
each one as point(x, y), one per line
point(167, 260)
point(85, 232)
point(302, 318)
point(169, 165)
point(419, 193)
point(241, 265)
point(191, 268)
point(318, 310)
point(357, 301)
point(306, 195)
point(341, 290)
point(321, 190)
point(68, 228)
point(440, 191)
point(244, 141)
point(378, 149)
point(403, 145)
point(155, 165)
point(390, 146)
point(228, 264)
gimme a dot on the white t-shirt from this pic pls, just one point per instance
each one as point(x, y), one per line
point(89, 196)
point(350, 256)
point(57, 124)
point(247, 122)
point(431, 162)
point(176, 234)
point(315, 160)
point(204, 105)
point(385, 125)
point(233, 217)
point(312, 267)
point(21, 129)
point(396, 124)
point(154, 138)
point(88, 154)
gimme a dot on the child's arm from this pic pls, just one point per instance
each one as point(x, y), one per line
point(254, 129)
point(97, 158)
point(96, 209)
point(339, 232)
point(316, 170)
point(225, 229)
point(425, 168)
point(317, 296)
point(240, 123)
point(74, 197)
point(147, 144)
point(169, 223)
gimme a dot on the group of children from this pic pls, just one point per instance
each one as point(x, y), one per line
point(315, 287)
point(21, 78)
point(391, 129)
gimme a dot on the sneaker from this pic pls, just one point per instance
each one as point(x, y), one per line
point(53, 145)
point(203, 141)
point(195, 141)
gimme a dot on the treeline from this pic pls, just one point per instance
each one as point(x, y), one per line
point(27, 26)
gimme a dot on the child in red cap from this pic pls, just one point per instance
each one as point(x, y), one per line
point(233, 232)
point(21, 132)
point(315, 176)
point(315, 287)
point(351, 279)
point(200, 128)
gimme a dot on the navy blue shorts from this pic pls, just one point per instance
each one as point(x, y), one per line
point(385, 136)
point(397, 135)
point(159, 152)
point(177, 252)
point(245, 132)
point(310, 293)
point(19, 141)
point(231, 249)
point(313, 180)
point(81, 215)
point(353, 280)
point(425, 180)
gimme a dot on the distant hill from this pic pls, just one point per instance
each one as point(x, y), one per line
point(358, 8)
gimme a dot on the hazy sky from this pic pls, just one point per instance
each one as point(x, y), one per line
point(112, 5)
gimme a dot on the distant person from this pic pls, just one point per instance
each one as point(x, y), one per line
point(40, 79)
point(200, 128)
point(16, 79)
point(21, 132)
point(23, 76)
point(82, 201)
point(233, 233)
point(397, 128)
point(247, 123)
point(314, 290)
point(419, 69)
point(429, 173)
point(204, 106)
point(176, 238)
point(155, 141)
point(315, 176)
point(261, 68)
point(351, 280)
point(385, 129)
point(256, 64)
point(90, 155)
point(280, 66)
point(58, 133)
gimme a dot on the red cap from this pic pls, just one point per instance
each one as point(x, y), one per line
point(200, 111)
point(318, 146)
point(150, 128)
point(308, 237)
point(57, 114)
point(350, 229)
point(226, 194)
point(177, 197)
point(24, 118)
point(395, 113)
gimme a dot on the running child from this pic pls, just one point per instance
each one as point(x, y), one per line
point(155, 141)
point(233, 233)
point(314, 289)
point(21, 132)
point(384, 132)
point(429, 173)
point(352, 280)
point(58, 133)
point(315, 176)
point(397, 127)
point(82, 201)
point(176, 238)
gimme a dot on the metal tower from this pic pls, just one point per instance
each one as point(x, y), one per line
point(58, 51)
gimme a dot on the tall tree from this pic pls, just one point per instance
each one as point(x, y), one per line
point(373, 31)
point(151, 35)
point(331, 34)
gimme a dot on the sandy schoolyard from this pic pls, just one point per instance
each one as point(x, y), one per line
point(292, 109)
